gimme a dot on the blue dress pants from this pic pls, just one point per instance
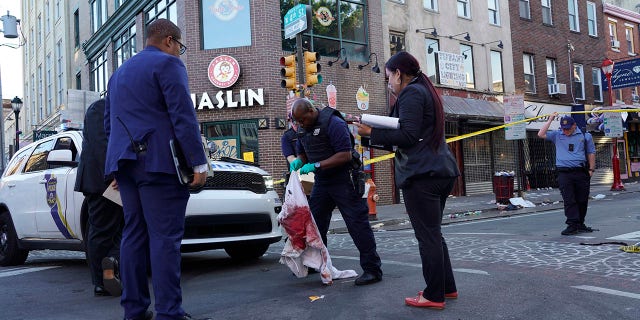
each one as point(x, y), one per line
point(154, 211)
point(425, 199)
point(324, 198)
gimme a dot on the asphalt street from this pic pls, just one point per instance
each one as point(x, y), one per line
point(506, 267)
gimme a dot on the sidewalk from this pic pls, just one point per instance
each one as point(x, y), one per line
point(459, 209)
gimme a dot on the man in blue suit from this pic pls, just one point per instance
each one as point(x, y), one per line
point(147, 105)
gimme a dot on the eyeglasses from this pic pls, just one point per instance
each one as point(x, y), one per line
point(183, 48)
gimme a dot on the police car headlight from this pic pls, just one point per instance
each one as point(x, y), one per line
point(268, 182)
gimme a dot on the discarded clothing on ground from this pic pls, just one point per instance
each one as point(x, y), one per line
point(304, 248)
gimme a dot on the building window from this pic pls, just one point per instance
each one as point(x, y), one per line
point(591, 19)
point(551, 72)
point(40, 93)
point(78, 80)
point(597, 84)
point(529, 76)
point(32, 98)
point(467, 53)
point(99, 73)
point(396, 42)
point(613, 34)
point(98, 14)
point(433, 46)
point(125, 46)
point(430, 5)
point(618, 94)
point(343, 25)
point(525, 11)
point(237, 25)
point(119, 3)
point(578, 81)
point(629, 37)
point(497, 82)
point(233, 138)
point(60, 72)
point(546, 12)
point(574, 24)
point(49, 84)
point(47, 17)
point(76, 29)
point(57, 9)
point(39, 40)
point(163, 9)
point(494, 12)
point(464, 9)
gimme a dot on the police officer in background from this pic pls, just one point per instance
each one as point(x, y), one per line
point(324, 147)
point(288, 144)
point(575, 164)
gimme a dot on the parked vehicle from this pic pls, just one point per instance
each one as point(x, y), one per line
point(236, 210)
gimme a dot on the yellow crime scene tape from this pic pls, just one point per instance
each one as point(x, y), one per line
point(479, 132)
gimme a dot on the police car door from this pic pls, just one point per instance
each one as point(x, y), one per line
point(52, 190)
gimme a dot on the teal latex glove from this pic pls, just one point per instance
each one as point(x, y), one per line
point(307, 168)
point(295, 165)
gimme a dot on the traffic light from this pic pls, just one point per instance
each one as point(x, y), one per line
point(288, 71)
point(312, 68)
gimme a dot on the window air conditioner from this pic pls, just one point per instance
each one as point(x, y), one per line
point(615, 44)
point(558, 88)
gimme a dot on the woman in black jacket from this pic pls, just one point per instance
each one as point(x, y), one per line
point(425, 170)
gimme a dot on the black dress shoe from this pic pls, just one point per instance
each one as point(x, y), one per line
point(110, 276)
point(148, 315)
point(99, 291)
point(367, 278)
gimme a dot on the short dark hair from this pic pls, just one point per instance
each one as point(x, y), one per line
point(162, 28)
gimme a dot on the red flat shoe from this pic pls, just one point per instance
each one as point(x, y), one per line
point(452, 295)
point(415, 302)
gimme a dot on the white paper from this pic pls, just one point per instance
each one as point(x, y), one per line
point(113, 194)
point(380, 121)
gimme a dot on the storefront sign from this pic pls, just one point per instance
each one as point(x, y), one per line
point(625, 74)
point(451, 69)
point(536, 109)
point(513, 112)
point(223, 71)
point(245, 98)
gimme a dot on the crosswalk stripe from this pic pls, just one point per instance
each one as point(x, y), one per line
point(18, 271)
point(409, 264)
point(609, 291)
point(635, 236)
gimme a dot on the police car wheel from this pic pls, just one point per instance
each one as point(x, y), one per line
point(246, 252)
point(10, 253)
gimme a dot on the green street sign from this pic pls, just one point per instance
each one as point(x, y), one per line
point(295, 21)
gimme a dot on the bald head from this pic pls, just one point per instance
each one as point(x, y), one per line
point(304, 113)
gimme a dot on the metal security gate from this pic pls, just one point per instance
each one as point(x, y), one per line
point(484, 155)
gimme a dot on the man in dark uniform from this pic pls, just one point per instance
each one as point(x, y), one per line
point(105, 217)
point(575, 164)
point(324, 147)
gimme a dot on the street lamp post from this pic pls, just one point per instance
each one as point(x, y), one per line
point(16, 105)
point(607, 69)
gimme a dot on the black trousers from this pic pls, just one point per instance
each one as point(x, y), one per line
point(574, 186)
point(425, 199)
point(354, 210)
point(105, 232)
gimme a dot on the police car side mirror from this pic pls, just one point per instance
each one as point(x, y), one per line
point(62, 158)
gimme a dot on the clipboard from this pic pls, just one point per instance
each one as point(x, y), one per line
point(185, 173)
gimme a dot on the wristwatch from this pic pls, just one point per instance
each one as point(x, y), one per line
point(317, 165)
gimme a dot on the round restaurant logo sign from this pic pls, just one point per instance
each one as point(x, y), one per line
point(223, 71)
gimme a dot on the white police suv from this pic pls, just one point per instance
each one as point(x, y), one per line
point(236, 210)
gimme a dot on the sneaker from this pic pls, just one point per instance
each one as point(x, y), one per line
point(571, 229)
point(583, 228)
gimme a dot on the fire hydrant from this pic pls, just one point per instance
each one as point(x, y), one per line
point(372, 198)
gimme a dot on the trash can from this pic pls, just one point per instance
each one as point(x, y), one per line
point(503, 188)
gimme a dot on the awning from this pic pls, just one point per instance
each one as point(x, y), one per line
point(456, 107)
